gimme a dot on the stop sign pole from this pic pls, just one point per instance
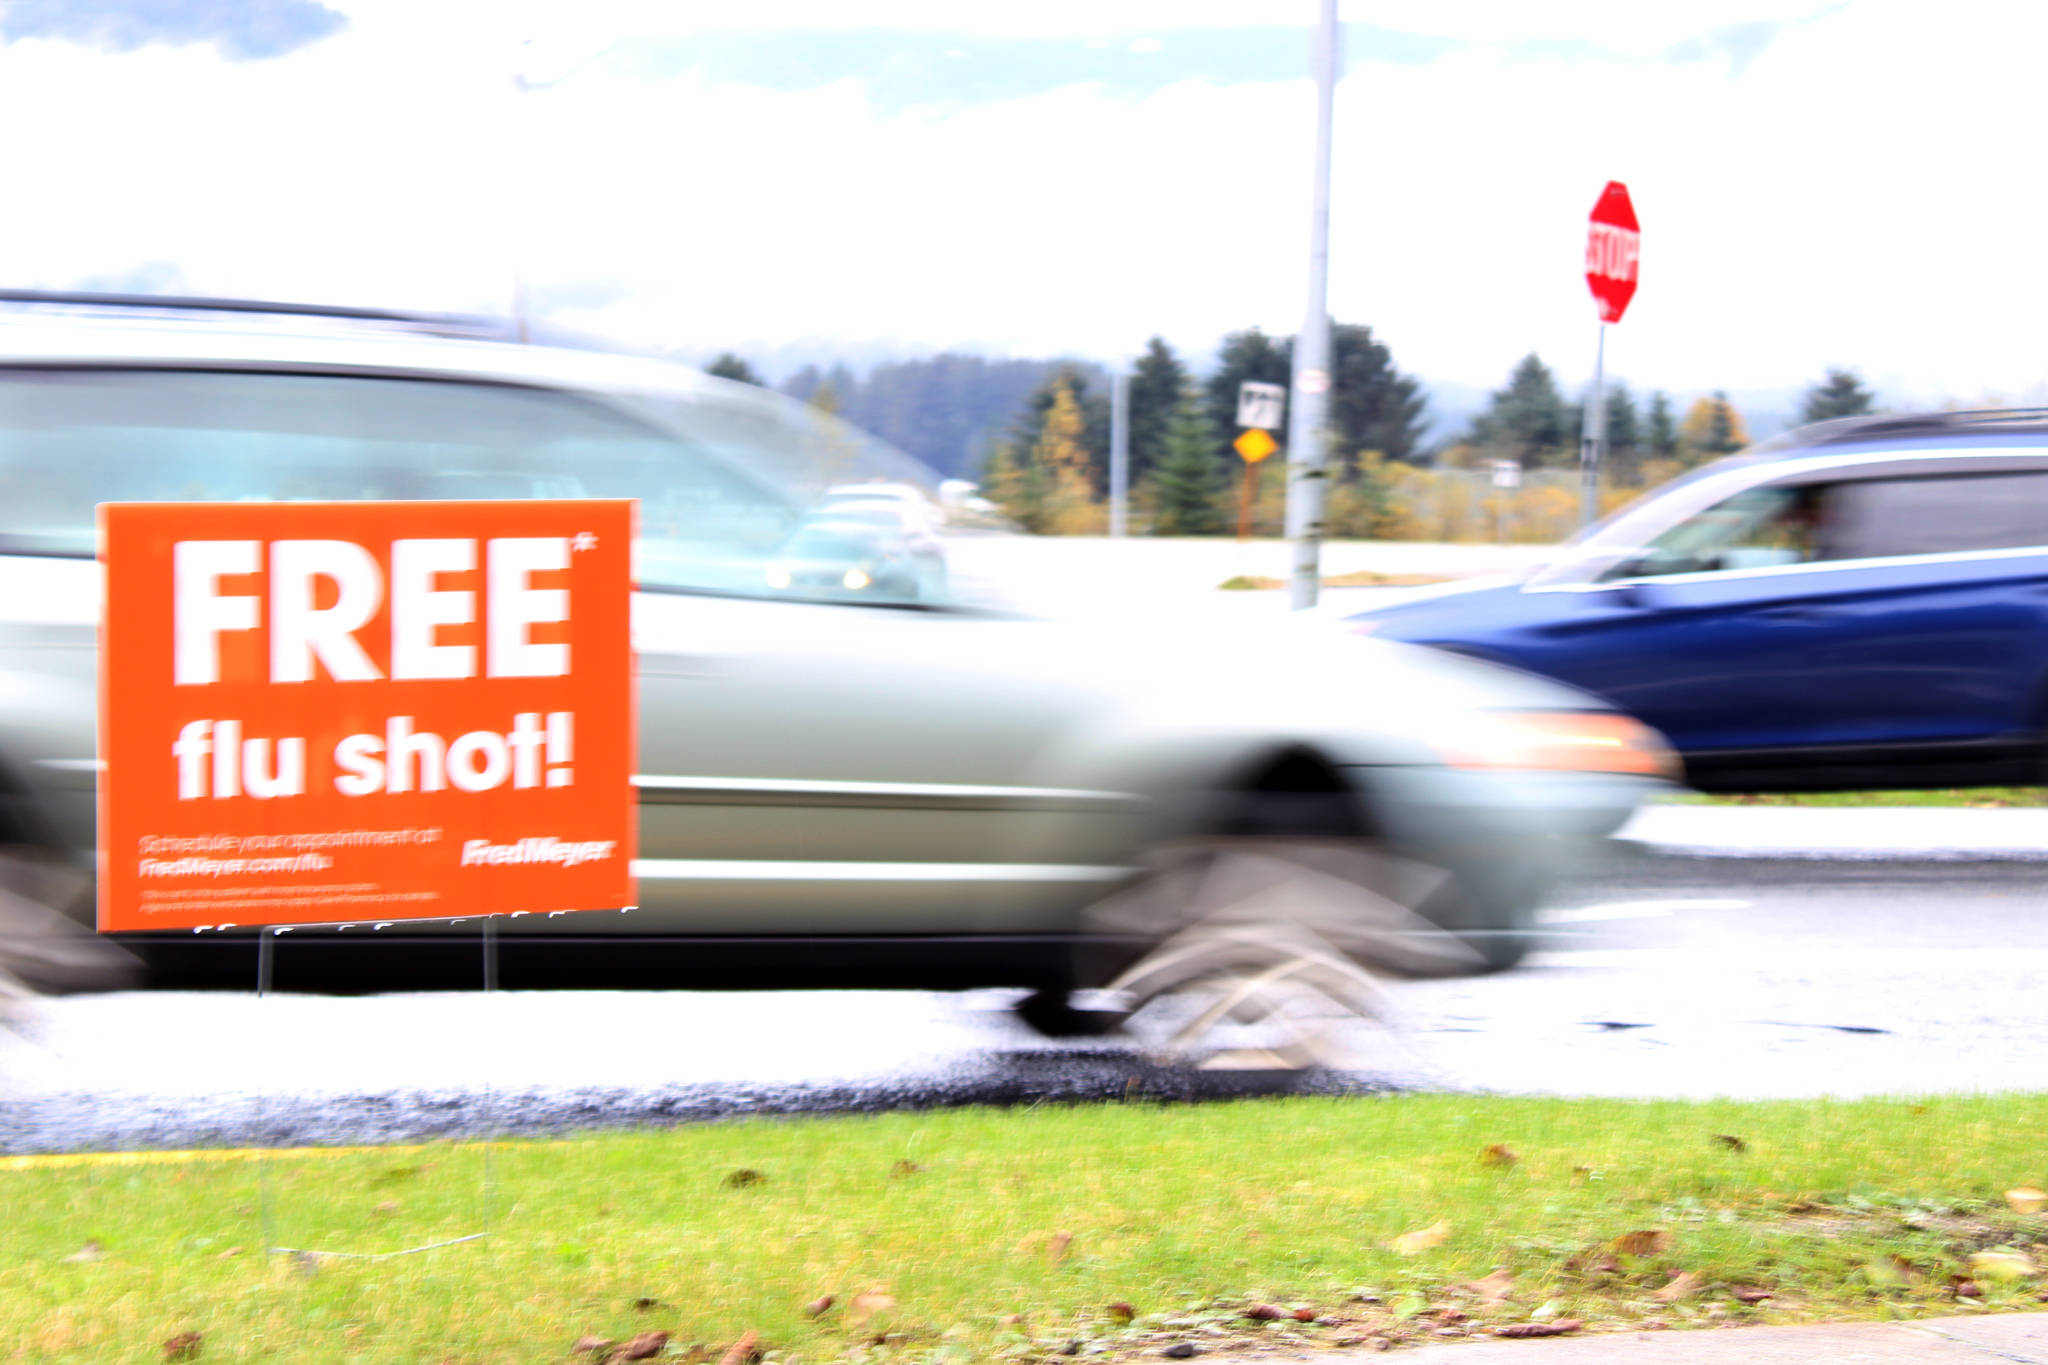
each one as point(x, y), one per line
point(1613, 247)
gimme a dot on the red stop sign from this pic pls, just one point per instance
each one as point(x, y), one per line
point(1613, 244)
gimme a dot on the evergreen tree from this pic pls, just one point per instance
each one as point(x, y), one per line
point(1527, 420)
point(1156, 385)
point(1663, 433)
point(1624, 435)
point(1841, 394)
point(1373, 406)
point(1186, 478)
point(730, 366)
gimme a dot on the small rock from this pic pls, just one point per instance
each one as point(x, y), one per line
point(1304, 1315)
point(1072, 1348)
point(745, 1176)
point(592, 1345)
point(1122, 1313)
point(184, 1346)
point(1263, 1312)
point(818, 1307)
point(1181, 1350)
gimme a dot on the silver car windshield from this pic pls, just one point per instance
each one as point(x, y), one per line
point(721, 487)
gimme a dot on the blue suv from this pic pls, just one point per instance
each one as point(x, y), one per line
point(1862, 603)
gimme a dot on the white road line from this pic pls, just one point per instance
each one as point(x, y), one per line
point(1594, 914)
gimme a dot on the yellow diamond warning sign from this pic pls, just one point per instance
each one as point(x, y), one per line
point(1256, 445)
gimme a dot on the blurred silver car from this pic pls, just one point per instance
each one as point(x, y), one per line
point(868, 786)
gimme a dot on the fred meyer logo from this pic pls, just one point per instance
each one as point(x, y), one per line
point(392, 681)
point(526, 852)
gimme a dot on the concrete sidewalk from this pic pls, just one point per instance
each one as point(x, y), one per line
point(1911, 833)
point(1982, 1338)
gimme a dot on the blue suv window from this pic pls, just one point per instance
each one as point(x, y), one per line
point(1879, 518)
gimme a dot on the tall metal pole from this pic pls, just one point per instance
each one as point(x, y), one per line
point(1119, 454)
point(1307, 423)
point(1593, 441)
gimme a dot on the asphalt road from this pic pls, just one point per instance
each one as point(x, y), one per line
point(1662, 976)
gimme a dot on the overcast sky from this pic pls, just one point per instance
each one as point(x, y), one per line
point(1819, 183)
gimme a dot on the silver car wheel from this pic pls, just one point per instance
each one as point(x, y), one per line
point(1269, 953)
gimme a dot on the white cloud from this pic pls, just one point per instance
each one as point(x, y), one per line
point(1860, 194)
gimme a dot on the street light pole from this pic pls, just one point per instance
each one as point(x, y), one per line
point(1307, 428)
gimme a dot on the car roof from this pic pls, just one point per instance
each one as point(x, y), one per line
point(1995, 427)
point(79, 330)
point(82, 329)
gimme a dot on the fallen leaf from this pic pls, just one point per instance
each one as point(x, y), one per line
point(743, 1177)
point(1122, 1313)
point(1010, 1320)
point(91, 1251)
point(866, 1306)
point(592, 1345)
point(1646, 1242)
point(818, 1307)
point(648, 1305)
point(904, 1168)
point(1966, 1289)
point(2026, 1199)
point(1683, 1284)
point(1061, 1241)
point(230, 1253)
point(1304, 1315)
point(184, 1346)
point(1494, 1288)
point(1264, 1312)
point(1752, 1295)
point(388, 1208)
point(1731, 1142)
point(2002, 1266)
point(1451, 1315)
point(746, 1349)
point(1563, 1327)
point(1498, 1155)
point(1421, 1240)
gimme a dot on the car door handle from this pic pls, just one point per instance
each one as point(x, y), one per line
point(1794, 616)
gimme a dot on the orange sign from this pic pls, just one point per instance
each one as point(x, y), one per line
point(1255, 445)
point(362, 711)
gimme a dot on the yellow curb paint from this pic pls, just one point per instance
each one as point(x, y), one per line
point(64, 1160)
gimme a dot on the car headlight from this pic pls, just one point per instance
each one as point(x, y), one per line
point(856, 579)
point(778, 577)
point(1561, 741)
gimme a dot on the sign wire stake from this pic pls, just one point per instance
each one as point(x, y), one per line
point(266, 949)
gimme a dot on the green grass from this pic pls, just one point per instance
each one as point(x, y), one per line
point(1187, 1214)
point(1978, 797)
